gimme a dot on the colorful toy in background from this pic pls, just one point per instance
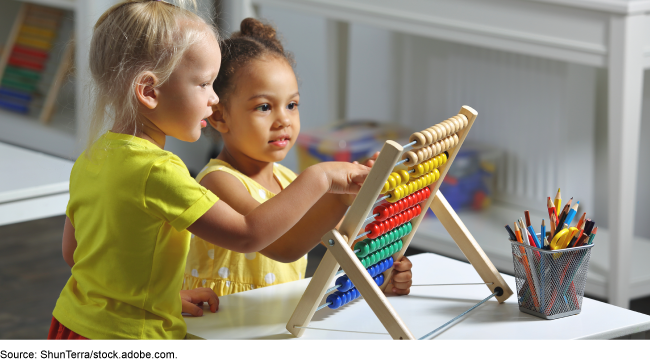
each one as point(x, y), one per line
point(24, 65)
point(468, 182)
point(351, 141)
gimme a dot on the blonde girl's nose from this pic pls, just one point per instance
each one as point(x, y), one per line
point(214, 99)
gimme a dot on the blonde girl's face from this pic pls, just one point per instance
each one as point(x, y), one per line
point(261, 120)
point(187, 98)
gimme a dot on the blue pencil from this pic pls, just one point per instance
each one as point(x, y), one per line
point(543, 230)
point(572, 213)
point(532, 232)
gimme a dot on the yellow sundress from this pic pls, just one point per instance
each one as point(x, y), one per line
point(227, 272)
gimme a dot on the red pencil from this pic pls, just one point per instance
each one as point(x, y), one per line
point(551, 210)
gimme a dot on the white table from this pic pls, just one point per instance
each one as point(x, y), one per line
point(263, 313)
point(33, 185)
point(604, 33)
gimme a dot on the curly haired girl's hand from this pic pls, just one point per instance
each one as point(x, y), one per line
point(193, 300)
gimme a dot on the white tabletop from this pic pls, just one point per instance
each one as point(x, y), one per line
point(263, 313)
point(33, 185)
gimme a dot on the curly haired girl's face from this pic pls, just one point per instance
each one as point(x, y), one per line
point(186, 99)
point(262, 119)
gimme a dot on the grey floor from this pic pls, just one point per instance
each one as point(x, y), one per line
point(32, 274)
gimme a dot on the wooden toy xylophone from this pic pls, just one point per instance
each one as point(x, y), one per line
point(409, 187)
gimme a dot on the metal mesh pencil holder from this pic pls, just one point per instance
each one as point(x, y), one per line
point(550, 284)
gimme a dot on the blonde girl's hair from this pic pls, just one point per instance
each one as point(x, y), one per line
point(130, 39)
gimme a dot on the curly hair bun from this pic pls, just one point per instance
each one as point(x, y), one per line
point(254, 28)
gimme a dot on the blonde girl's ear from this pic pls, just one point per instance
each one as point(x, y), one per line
point(217, 119)
point(146, 91)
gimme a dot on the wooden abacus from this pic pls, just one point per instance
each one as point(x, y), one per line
point(411, 187)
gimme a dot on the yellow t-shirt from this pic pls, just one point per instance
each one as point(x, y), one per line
point(227, 272)
point(130, 204)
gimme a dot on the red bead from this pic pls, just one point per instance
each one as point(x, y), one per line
point(422, 195)
point(373, 228)
point(419, 208)
point(391, 209)
point(411, 200)
point(410, 214)
point(390, 224)
point(383, 212)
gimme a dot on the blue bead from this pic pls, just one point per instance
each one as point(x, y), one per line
point(350, 296)
point(379, 280)
point(345, 283)
point(373, 270)
point(335, 301)
point(342, 296)
point(391, 261)
point(383, 265)
point(357, 294)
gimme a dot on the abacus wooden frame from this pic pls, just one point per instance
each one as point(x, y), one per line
point(340, 251)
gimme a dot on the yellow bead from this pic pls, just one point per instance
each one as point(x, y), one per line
point(405, 176)
point(420, 169)
point(444, 158)
point(437, 175)
point(425, 165)
point(392, 182)
point(386, 188)
point(398, 179)
point(431, 166)
point(429, 178)
point(409, 188)
point(436, 162)
point(393, 197)
point(401, 192)
point(420, 182)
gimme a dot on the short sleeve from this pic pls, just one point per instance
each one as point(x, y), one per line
point(173, 195)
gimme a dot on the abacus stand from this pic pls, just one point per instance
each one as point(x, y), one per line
point(340, 253)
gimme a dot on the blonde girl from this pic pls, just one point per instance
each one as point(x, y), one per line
point(258, 120)
point(132, 204)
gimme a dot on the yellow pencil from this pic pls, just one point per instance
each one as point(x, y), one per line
point(558, 201)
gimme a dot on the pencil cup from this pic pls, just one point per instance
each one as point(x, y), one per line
point(550, 284)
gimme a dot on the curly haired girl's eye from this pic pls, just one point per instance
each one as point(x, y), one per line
point(293, 106)
point(265, 107)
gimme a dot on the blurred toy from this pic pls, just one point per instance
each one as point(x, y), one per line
point(351, 141)
point(466, 183)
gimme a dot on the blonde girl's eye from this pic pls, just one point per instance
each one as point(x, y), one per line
point(263, 108)
point(205, 85)
point(293, 106)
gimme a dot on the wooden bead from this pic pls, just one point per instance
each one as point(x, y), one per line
point(431, 151)
point(419, 139)
point(434, 134)
point(440, 131)
point(412, 158)
point(420, 154)
point(463, 118)
point(457, 124)
point(456, 140)
point(447, 125)
point(426, 153)
point(438, 145)
point(451, 125)
point(461, 124)
point(428, 136)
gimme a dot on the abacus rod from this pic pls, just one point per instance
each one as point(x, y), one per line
point(409, 145)
point(473, 283)
point(371, 217)
point(322, 306)
point(461, 315)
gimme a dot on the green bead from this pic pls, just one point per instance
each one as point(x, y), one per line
point(363, 248)
point(391, 249)
point(372, 245)
point(382, 254)
point(373, 258)
point(402, 232)
point(364, 262)
point(393, 236)
point(381, 241)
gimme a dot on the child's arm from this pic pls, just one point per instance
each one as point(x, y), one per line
point(224, 226)
point(69, 242)
point(302, 237)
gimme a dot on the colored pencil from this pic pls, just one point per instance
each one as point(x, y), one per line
point(551, 209)
point(527, 215)
point(593, 235)
point(581, 221)
point(511, 233)
point(558, 202)
point(589, 226)
point(572, 213)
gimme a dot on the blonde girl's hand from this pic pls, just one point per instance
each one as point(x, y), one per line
point(192, 300)
point(341, 177)
point(348, 199)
